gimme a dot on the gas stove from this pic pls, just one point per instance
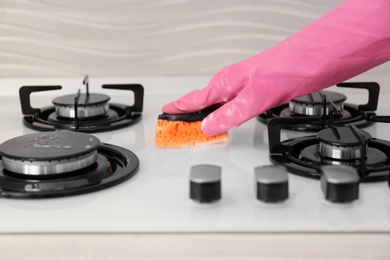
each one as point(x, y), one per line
point(319, 104)
point(157, 197)
point(61, 163)
point(84, 112)
point(340, 145)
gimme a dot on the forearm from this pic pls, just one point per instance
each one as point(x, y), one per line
point(349, 40)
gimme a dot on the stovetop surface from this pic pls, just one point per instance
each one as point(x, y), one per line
point(157, 198)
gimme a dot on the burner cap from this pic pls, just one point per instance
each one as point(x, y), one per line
point(341, 143)
point(49, 153)
point(311, 104)
point(89, 105)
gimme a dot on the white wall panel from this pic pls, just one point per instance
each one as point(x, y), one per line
point(143, 37)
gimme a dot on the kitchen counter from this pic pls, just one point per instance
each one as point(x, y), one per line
point(150, 215)
point(196, 246)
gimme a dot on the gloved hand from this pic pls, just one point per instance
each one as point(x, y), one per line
point(347, 41)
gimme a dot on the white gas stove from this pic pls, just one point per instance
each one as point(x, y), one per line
point(157, 199)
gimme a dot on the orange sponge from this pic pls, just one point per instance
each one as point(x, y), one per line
point(181, 133)
point(182, 130)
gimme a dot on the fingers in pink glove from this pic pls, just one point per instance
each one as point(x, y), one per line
point(244, 106)
point(218, 90)
point(230, 115)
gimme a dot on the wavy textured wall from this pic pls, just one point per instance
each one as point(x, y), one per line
point(142, 37)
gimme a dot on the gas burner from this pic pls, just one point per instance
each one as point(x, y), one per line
point(61, 163)
point(82, 112)
point(340, 145)
point(312, 104)
point(89, 105)
point(320, 103)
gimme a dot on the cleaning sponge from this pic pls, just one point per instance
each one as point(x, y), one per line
point(180, 130)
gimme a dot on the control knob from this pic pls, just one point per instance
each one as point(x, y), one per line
point(340, 184)
point(205, 183)
point(271, 184)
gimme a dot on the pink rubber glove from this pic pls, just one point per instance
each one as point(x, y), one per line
point(347, 41)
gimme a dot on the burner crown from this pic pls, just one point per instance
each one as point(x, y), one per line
point(341, 136)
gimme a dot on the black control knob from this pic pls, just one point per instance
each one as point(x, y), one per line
point(271, 184)
point(205, 183)
point(340, 184)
